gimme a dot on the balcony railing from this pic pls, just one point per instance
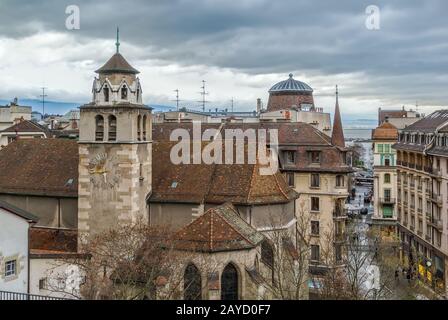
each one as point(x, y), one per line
point(412, 165)
point(437, 172)
point(399, 162)
point(387, 200)
point(428, 169)
point(438, 224)
point(419, 167)
point(340, 237)
point(428, 237)
point(7, 295)
point(339, 214)
point(404, 164)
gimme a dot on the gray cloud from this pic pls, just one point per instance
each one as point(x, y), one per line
point(406, 60)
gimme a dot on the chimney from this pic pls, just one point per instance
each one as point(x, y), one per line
point(258, 105)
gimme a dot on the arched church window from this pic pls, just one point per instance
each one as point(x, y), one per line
point(112, 128)
point(124, 93)
point(229, 283)
point(144, 127)
point(106, 94)
point(139, 128)
point(192, 283)
point(99, 128)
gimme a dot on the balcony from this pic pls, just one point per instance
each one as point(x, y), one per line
point(340, 214)
point(340, 237)
point(419, 167)
point(438, 224)
point(428, 169)
point(437, 172)
point(412, 165)
point(387, 200)
point(404, 164)
point(412, 185)
point(412, 227)
point(399, 162)
point(420, 232)
point(437, 198)
point(419, 188)
point(428, 237)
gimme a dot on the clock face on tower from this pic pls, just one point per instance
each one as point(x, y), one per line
point(103, 171)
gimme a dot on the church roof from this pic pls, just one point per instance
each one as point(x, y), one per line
point(240, 184)
point(117, 64)
point(290, 85)
point(219, 229)
point(337, 136)
point(386, 131)
point(46, 167)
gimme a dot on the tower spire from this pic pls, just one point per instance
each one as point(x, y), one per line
point(117, 44)
point(337, 136)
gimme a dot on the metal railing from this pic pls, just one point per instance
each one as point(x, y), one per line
point(7, 295)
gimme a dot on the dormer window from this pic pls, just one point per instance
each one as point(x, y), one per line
point(124, 93)
point(290, 157)
point(314, 157)
point(106, 94)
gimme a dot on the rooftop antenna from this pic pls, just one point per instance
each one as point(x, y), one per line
point(177, 99)
point(416, 106)
point(203, 94)
point(117, 44)
point(43, 95)
point(232, 103)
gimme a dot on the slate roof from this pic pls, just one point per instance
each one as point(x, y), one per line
point(385, 131)
point(40, 167)
point(219, 229)
point(214, 183)
point(290, 85)
point(429, 123)
point(18, 212)
point(117, 64)
point(297, 136)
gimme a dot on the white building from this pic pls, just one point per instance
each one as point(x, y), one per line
point(14, 251)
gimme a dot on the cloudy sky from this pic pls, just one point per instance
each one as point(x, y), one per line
point(240, 48)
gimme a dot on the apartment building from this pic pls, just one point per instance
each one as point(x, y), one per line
point(385, 178)
point(422, 197)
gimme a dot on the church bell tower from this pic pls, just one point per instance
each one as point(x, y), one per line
point(115, 147)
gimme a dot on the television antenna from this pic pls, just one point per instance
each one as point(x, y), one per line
point(43, 95)
point(177, 99)
point(203, 94)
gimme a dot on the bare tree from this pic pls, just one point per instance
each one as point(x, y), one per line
point(129, 262)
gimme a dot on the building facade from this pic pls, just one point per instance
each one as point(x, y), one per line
point(422, 176)
point(385, 178)
point(114, 150)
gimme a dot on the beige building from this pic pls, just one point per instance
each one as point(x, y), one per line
point(385, 178)
point(13, 112)
point(422, 171)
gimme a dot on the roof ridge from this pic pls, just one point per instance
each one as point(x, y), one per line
point(237, 231)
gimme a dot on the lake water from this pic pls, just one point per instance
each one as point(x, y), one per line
point(358, 133)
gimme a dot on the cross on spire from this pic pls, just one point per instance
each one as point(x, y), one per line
point(117, 44)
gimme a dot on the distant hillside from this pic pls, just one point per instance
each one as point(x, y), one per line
point(57, 107)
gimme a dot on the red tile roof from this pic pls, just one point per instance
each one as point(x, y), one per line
point(53, 240)
point(47, 167)
point(215, 183)
point(219, 229)
point(27, 126)
point(385, 131)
